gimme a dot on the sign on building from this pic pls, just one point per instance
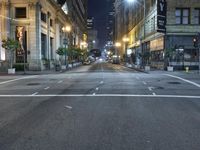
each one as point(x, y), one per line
point(161, 15)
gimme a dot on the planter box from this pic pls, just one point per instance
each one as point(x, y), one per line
point(63, 67)
point(170, 69)
point(70, 66)
point(147, 68)
point(11, 71)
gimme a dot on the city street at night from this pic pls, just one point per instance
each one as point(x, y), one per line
point(99, 74)
point(100, 106)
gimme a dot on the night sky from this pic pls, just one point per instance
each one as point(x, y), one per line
point(99, 10)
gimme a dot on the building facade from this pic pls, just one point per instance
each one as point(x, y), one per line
point(38, 24)
point(143, 28)
point(92, 34)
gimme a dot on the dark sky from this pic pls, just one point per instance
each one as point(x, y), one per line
point(99, 10)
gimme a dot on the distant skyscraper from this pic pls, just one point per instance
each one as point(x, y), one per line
point(90, 23)
point(110, 20)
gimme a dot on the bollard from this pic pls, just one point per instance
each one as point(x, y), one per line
point(187, 69)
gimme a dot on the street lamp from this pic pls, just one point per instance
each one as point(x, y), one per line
point(126, 40)
point(66, 30)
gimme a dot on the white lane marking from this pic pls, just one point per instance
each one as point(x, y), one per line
point(150, 88)
point(185, 80)
point(154, 93)
point(60, 82)
point(97, 89)
point(34, 94)
point(105, 95)
point(47, 88)
point(68, 107)
point(144, 83)
point(17, 79)
point(101, 82)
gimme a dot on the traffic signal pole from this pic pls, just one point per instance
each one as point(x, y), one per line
point(199, 58)
point(199, 50)
point(196, 44)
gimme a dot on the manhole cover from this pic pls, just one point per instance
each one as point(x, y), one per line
point(160, 88)
point(33, 84)
point(53, 79)
point(174, 82)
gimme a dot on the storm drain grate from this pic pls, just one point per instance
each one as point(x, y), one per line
point(33, 84)
point(174, 82)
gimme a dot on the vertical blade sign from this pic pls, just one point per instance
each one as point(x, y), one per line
point(161, 15)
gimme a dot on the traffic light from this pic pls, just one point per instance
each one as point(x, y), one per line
point(195, 42)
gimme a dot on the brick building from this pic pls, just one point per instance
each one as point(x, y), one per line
point(142, 28)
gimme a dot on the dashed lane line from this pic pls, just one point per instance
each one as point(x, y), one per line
point(144, 83)
point(34, 94)
point(68, 107)
point(60, 82)
point(47, 88)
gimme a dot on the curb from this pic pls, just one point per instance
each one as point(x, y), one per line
point(137, 69)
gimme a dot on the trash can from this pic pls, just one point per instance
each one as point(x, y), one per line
point(57, 67)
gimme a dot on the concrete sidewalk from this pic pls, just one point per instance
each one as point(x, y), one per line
point(44, 72)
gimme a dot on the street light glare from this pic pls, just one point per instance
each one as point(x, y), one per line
point(117, 44)
point(126, 39)
point(130, 1)
point(66, 28)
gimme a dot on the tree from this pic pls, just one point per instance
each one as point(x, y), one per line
point(61, 52)
point(11, 46)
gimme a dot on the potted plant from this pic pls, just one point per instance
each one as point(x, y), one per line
point(146, 57)
point(61, 52)
point(168, 57)
point(10, 45)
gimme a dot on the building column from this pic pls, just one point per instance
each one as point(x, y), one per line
point(4, 27)
point(35, 38)
point(57, 39)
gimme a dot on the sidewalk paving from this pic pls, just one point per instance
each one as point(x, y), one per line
point(192, 75)
point(44, 72)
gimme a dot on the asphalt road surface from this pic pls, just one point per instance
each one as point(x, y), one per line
point(99, 107)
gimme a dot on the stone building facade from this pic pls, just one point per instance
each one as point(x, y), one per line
point(141, 27)
point(39, 23)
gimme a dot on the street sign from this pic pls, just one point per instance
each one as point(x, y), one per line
point(161, 15)
point(65, 41)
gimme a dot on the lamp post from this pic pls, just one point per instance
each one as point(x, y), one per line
point(117, 56)
point(126, 40)
point(66, 30)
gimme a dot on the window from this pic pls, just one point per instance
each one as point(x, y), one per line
point(43, 17)
point(20, 12)
point(43, 45)
point(197, 16)
point(182, 16)
point(51, 22)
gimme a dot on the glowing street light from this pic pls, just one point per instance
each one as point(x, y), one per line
point(66, 30)
point(130, 1)
point(117, 44)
